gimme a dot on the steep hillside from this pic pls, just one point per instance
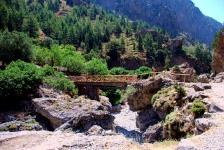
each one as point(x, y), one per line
point(173, 16)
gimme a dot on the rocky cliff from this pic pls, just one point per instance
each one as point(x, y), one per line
point(218, 57)
point(173, 16)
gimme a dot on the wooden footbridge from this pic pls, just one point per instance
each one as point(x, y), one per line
point(90, 84)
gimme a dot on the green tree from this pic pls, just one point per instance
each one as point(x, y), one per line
point(96, 67)
point(140, 43)
point(31, 26)
point(122, 43)
point(15, 45)
point(4, 15)
point(75, 64)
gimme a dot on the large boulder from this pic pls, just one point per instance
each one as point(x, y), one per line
point(184, 68)
point(145, 89)
point(203, 124)
point(219, 77)
point(153, 134)
point(217, 105)
point(80, 113)
point(203, 78)
point(218, 56)
point(146, 118)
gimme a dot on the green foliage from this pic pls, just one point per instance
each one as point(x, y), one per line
point(60, 82)
point(118, 71)
point(113, 48)
point(13, 127)
point(96, 67)
point(113, 95)
point(75, 64)
point(154, 98)
point(19, 78)
point(180, 90)
point(31, 26)
point(15, 45)
point(198, 107)
point(130, 90)
point(176, 68)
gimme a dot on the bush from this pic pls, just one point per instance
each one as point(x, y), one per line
point(154, 98)
point(75, 64)
point(19, 79)
point(113, 95)
point(176, 68)
point(96, 67)
point(180, 90)
point(198, 108)
point(129, 91)
point(118, 71)
point(60, 82)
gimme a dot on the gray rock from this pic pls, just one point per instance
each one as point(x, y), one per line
point(193, 95)
point(219, 77)
point(19, 126)
point(141, 98)
point(203, 124)
point(153, 134)
point(116, 108)
point(80, 113)
point(96, 130)
point(198, 87)
point(185, 144)
point(203, 78)
point(146, 118)
point(217, 106)
point(207, 115)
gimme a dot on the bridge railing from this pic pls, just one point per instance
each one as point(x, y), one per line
point(104, 78)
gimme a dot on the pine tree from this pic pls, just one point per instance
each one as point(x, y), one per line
point(31, 26)
point(122, 43)
point(140, 43)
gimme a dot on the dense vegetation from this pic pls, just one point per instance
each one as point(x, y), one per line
point(84, 40)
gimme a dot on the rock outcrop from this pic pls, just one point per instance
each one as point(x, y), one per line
point(184, 68)
point(173, 16)
point(141, 98)
point(218, 56)
point(80, 113)
point(146, 118)
point(153, 134)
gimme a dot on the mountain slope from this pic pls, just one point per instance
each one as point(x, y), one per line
point(174, 16)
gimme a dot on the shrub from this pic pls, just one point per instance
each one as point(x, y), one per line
point(118, 71)
point(19, 79)
point(129, 91)
point(113, 95)
point(96, 67)
point(180, 90)
point(176, 68)
point(154, 98)
point(60, 82)
point(13, 127)
point(198, 108)
point(75, 64)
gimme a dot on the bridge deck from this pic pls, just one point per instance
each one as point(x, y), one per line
point(103, 78)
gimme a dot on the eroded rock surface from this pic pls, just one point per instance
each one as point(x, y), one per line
point(44, 140)
point(145, 89)
point(75, 113)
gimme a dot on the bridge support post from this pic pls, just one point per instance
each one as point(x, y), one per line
point(92, 92)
